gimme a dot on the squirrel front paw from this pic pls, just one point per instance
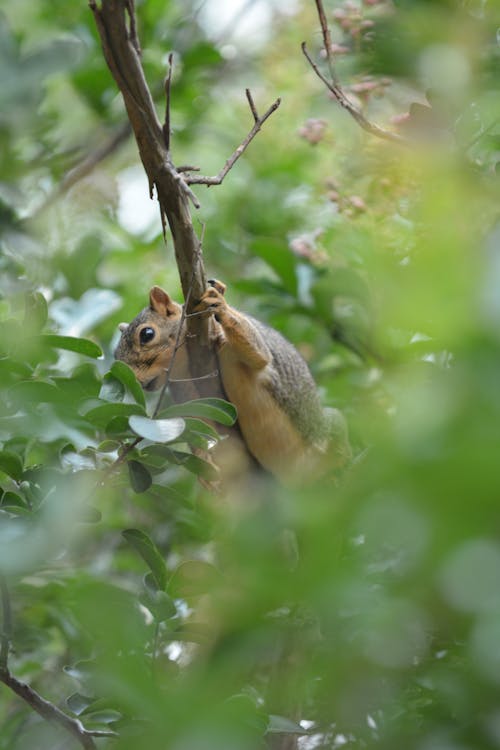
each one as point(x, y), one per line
point(219, 285)
point(213, 300)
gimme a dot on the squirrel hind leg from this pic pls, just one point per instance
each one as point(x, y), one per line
point(219, 285)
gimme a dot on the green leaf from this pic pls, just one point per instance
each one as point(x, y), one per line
point(215, 409)
point(194, 464)
point(140, 478)
point(35, 311)
point(201, 468)
point(200, 434)
point(11, 464)
point(77, 703)
point(192, 579)
point(125, 375)
point(12, 502)
point(108, 446)
point(89, 514)
point(101, 415)
point(157, 430)
point(202, 54)
point(112, 389)
point(159, 603)
point(34, 391)
point(282, 725)
point(241, 710)
point(84, 314)
point(149, 552)
point(72, 344)
point(155, 461)
point(118, 428)
point(84, 671)
point(12, 371)
point(104, 716)
point(278, 256)
point(77, 461)
point(94, 707)
point(197, 426)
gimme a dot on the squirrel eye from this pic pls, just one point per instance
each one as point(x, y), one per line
point(146, 334)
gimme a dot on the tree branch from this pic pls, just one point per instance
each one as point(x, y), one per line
point(327, 39)
point(6, 631)
point(168, 380)
point(120, 47)
point(172, 191)
point(168, 84)
point(355, 113)
point(45, 708)
point(51, 712)
point(258, 122)
point(336, 89)
point(180, 330)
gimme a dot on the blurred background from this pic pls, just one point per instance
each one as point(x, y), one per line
point(359, 614)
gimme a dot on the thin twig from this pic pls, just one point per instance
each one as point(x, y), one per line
point(355, 113)
point(259, 121)
point(168, 84)
point(130, 6)
point(187, 168)
point(207, 376)
point(183, 183)
point(45, 708)
point(327, 39)
point(120, 460)
point(180, 331)
point(252, 105)
point(6, 632)
point(51, 712)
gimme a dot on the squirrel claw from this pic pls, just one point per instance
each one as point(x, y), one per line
point(216, 284)
point(212, 300)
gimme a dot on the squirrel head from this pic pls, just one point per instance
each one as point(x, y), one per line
point(147, 343)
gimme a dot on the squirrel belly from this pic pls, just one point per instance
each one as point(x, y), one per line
point(279, 412)
point(268, 431)
point(281, 420)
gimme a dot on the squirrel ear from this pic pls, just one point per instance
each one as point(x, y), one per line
point(123, 326)
point(161, 303)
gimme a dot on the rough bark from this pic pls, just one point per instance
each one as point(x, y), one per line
point(116, 26)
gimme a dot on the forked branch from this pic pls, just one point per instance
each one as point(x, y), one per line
point(258, 122)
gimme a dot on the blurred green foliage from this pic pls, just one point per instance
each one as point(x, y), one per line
point(369, 611)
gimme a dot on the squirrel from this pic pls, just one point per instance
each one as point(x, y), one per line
point(280, 416)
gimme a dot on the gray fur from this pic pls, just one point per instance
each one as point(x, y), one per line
point(293, 386)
